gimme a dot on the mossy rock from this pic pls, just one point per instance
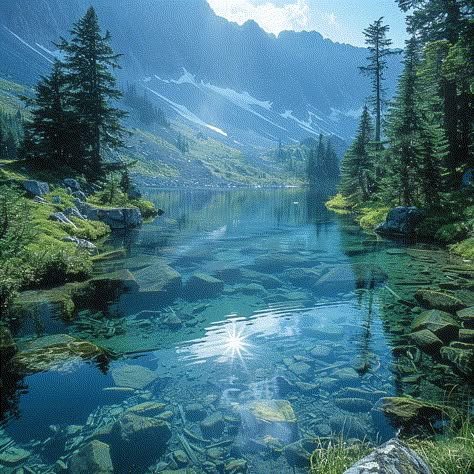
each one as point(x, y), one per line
point(461, 357)
point(52, 352)
point(432, 299)
point(440, 323)
point(467, 317)
point(426, 341)
point(406, 411)
point(58, 301)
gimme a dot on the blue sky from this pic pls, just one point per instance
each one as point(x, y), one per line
point(339, 20)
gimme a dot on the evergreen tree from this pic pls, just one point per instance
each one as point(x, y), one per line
point(416, 140)
point(51, 141)
point(357, 166)
point(450, 21)
point(91, 89)
point(379, 49)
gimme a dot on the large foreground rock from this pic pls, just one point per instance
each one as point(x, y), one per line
point(92, 458)
point(159, 278)
point(393, 457)
point(401, 221)
point(116, 218)
point(432, 299)
point(461, 355)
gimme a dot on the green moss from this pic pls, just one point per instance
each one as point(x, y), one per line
point(465, 248)
point(89, 230)
point(147, 208)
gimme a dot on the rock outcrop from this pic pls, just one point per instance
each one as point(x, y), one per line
point(93, 457)
point(116, 218)
point(401, 222)
point(393, 457)
point(36, 188)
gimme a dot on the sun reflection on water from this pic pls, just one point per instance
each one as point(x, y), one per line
point(234, 342)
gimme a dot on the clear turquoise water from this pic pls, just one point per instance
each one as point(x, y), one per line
point(273, 332)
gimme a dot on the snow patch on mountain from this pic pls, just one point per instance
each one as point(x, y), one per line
point(21, 40)
point(187, 114)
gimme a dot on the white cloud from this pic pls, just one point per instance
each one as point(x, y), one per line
point(272, 18)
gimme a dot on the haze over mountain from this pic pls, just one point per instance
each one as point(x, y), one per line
point(242, 84)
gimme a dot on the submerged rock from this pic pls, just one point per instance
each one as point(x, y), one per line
point(277, 262)
point(159, 279)
point(270, 417)
point(461, 356)
point(52, 352)
point(347, 426)
point(93, 457)
point(440, 323)
point(355, 405)
point(426, 341)
point(133, 376)
point(467, 317)
point(13, 456)
point(213, 425)
point(406, 411)
point(267, 280)
point(393, 457)
point(201, 285)
point(439, 300)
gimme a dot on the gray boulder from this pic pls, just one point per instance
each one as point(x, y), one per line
point(116, 218)
point(393, 457)
point(82, 244)
point(57, 200)
point(60, 217)
point(401, 221)
point(36, 188)
point(80, 195)
point(72, 183)
point(74, 212)
point(94, 457)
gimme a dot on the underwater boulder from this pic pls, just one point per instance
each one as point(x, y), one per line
point(52, 352)
point(270, 417)
point(201, 285)
point(461, 355)
point(440, 323)
point(432, 299)
point(93, 457)
point(427, 341)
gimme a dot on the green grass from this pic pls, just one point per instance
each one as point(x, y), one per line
point(339, 204)
point(465, 248)
point(337, 456)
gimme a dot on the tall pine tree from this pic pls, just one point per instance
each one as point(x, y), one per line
point(91, 85)
point(379, 49)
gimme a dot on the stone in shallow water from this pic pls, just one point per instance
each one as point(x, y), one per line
point(94, 457)
point(466, 335)
point(323, 352)
point(53, 352)
point(427, 341)
point(393, 457)
point(147, 408)
point(159, 279)
point(213, 425)
point(236, 466)
point(13, 456)
point(134, 376)
point(275, 262)
point(195, 412)
point(266, 280)
point(201, 285)
point(348, 426)
point(355, 405)
point(440, 323)
point(467, 317)
point(270, 417)
point(300, 368)
point(253, 289)
point(302, 276)
point(406, 411)
point(461, 358)
point(439, 300)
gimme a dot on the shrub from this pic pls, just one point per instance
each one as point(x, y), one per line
point(147, 208)
point(465, 248)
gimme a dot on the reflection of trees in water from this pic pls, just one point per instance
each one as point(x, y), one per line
point(12, 387)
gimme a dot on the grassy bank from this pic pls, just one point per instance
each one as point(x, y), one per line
point(452, 453)
point(451, 225)
point(33, 250)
